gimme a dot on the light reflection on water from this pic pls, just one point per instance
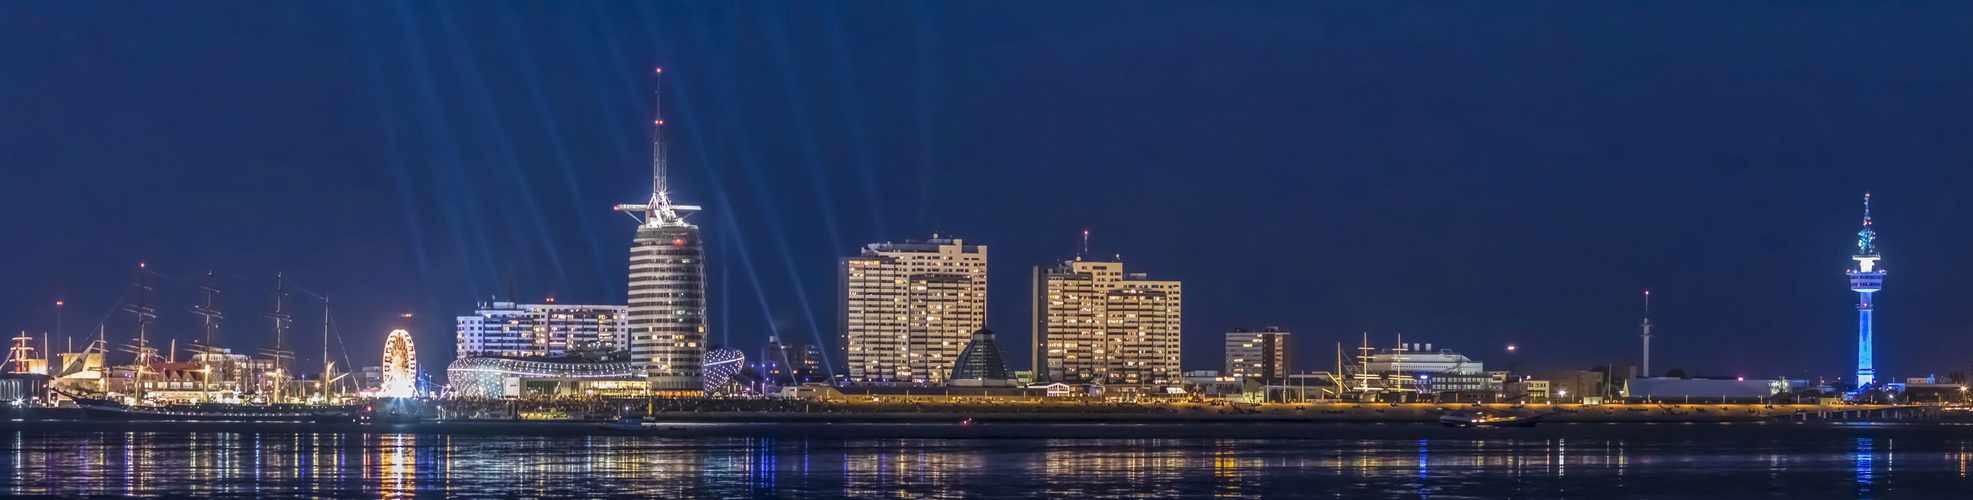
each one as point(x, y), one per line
point(354, 465)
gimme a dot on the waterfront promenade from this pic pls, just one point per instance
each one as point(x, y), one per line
point(741, 410)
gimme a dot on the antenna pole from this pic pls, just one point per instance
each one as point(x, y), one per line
point(658, 138)
point(1647, 334)
point(325, 350)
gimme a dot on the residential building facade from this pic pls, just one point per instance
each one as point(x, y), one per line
point(1096, 324)
point(512, 329)
point(1262, 354)
point(907, 310)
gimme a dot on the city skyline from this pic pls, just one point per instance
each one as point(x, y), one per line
point(1350, 211)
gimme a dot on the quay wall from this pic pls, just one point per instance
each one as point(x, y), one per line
point(1349, 412)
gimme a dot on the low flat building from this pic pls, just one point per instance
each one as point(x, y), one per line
point(908, 394)
point(1528, 391)
point(1209, 383)
point(1295, 388)
point(1701, 389)
point(497, 377)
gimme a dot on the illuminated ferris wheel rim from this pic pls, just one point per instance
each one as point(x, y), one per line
point(400, 365)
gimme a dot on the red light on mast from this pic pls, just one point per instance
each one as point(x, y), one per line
point(678, 242)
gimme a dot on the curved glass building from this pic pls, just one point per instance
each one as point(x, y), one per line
point(476, 377)
point(721, 365)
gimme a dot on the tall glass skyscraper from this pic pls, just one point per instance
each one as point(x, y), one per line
point(667, 284)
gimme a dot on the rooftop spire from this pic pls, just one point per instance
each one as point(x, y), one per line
point(659, 210)
point(658, 142)
point(1866, 238)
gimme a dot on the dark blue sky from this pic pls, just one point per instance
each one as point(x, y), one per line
point(1471, 175)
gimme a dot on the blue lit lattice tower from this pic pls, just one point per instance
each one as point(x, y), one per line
point(1866, 279)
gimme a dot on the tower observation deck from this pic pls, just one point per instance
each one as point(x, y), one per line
point(1866, 279)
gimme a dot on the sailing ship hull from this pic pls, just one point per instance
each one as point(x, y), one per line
point(110, 410)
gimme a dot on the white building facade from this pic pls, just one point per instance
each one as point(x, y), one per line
point(1093, 323)
point(512, 329)
point(907, 310)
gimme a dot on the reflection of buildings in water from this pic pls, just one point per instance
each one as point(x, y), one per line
point(1863, 464)
point(915, 468)
point(1960, 459)
point(765, 466)
point(397, 465)
point(1131, 463)
point(614, 466)
point(1424, 459)
point(138, 462)
point(1556, 459)
point(1226, 469)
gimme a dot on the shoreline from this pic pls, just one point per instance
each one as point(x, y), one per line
point(1265, 430)
point(1168, 421)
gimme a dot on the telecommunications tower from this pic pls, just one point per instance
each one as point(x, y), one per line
point(1866, 279)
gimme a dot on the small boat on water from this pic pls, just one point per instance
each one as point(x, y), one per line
point(1487, 419)
point(639, 424)
point(627, 424)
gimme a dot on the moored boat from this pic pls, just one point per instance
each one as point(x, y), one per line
point(627, 424)
point(1487, 419)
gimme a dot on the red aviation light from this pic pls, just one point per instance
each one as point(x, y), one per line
point(678, 242)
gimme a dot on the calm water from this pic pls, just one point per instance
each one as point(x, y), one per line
point(1555, 461)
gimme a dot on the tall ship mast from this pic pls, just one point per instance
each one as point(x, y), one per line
point(328, 368)
point(283, 319)
point(170, 406)
point(208, 307)
point(145, 314)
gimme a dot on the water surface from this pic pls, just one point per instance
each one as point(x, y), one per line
point(1554, 461)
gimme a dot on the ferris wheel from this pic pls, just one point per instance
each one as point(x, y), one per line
point(400, 366)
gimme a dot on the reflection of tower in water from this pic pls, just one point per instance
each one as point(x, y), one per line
point(397, 465)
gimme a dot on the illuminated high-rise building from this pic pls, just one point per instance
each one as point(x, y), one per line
point(1093, 323)
point(776, 365)
point(667, 285)
point(1262, 354)
point(513, 330)
point(908, 309)
point(809, 363)
point(1866, 279)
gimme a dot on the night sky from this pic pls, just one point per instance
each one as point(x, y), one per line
point(1471, 175)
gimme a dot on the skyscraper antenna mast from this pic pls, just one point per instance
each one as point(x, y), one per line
point(1647, 334)
point(658, 140)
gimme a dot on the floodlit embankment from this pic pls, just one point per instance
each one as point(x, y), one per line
point(1309, 412)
